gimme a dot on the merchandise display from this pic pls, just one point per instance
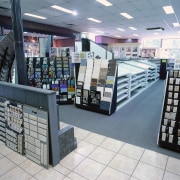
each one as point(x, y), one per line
point(14, 126)
point(24, 129)
point(169, 133)
point(30, 127)
point(2, 120)
point(53, 74)
point(96, 85)
point(36, 135)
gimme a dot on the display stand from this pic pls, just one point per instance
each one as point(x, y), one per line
point(97, 86)
point(29, 124)
point(169, 132)
point(52, 74)
point(163, 69)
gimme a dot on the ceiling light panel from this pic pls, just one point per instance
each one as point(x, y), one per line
point(133, 28)
point(104, 2)
point(126, 15)
point(135, 35)
point(94, 20)
point(64, 9)
point(176, 24)
point(168, 9)
point(120, 29)
point(35, 16)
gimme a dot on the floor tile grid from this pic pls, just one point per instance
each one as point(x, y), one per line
point(132, 158)
point(16, 165)
point(86, 157)
point(164, 169)
point(106, 165)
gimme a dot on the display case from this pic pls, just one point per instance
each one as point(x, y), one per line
point(169, 131)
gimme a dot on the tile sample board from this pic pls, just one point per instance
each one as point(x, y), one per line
point(169, 131)
point(36, 135)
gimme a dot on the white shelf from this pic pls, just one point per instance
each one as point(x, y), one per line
point(133, 77)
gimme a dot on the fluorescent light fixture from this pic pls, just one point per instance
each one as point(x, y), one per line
point(156, 33)
point(178, 32)
point(35, 16)
point(64, 9)
point(133, 28)
point(100, 31)
point(135, 35)
point(168, 9)
point(118, 36)
point(120, 29)
point(104, 2)
point(126, 15)
point(94, 20)
point(176, 24)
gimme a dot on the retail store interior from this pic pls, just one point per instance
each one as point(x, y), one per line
point(90, 89)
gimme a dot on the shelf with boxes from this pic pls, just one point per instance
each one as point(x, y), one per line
point(96, 85)
point(53, 74)
point(169, 131)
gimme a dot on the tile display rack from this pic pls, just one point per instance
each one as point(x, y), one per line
point(29, 124)
point(169, 131)
point(2, 120)
point(53, 74)
point(97, 86)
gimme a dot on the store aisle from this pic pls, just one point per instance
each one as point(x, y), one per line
point(96, 157)
point(135, 123)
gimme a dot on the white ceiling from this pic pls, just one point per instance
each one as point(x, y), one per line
point(146, 13)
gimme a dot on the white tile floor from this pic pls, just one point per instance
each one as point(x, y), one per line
point(96, 157)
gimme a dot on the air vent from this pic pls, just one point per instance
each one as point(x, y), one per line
point(155, 29)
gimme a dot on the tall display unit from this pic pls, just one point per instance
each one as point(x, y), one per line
point(169, 131)
point(97, 86)
point(52, 74)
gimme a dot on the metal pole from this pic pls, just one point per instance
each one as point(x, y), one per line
point(18, 41)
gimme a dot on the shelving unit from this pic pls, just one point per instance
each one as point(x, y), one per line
point(151, 70)
point(133, 77)
point(169, 131)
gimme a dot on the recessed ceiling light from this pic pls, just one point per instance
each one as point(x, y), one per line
point(156, 33)
point(133, 28)
point(176, 24)
point(135, 35)
point(104, 2)
point(100, 31)
point(126, 15)
point(168, 9)
point(35, 16)
point(64, 9)
point(120, 29)
point(94, 20)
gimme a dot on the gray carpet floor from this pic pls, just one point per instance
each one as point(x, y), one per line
point(137, 122)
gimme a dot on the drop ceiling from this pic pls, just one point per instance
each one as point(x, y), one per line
point(146, 13)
